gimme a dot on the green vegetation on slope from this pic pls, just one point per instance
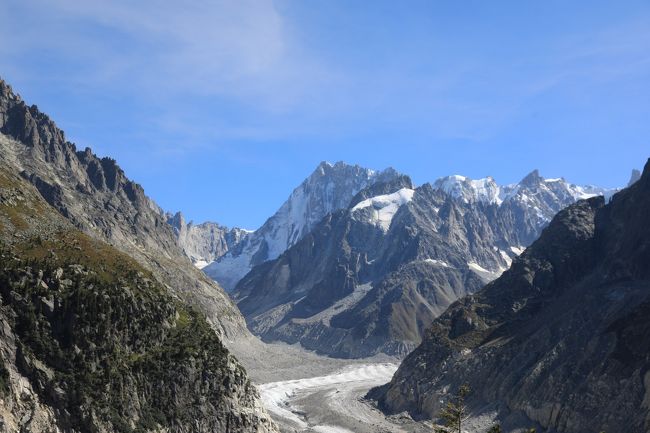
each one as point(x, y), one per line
point(99, 343)
point(100, 340)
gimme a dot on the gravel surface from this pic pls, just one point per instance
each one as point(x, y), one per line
point(280, 361)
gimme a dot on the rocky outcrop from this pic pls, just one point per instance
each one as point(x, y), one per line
point(206, 242)
point(329, 188)
point(90, 340)
point(560, 337)
point(97, 197)
point(636, 175)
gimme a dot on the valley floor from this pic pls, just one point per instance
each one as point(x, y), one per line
point(306, 392)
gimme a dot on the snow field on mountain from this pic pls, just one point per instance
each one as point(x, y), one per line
point(385, 206)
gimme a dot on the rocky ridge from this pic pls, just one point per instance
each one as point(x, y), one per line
point(329, 188)
point(97, 197)
point(561, 337)
point(371, 277)
point(228, 254)
point(206, 242)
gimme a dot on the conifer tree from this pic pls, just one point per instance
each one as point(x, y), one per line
point(496, 428)
point(455, 412)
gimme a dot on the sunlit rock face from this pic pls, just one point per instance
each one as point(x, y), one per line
point(371, 277)
point(329, 188)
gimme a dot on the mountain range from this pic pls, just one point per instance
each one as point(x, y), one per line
point(227, 254)
point(113, 317)
point(328, 188)
point(205, 242)
point(559, 339)
point(385, 258)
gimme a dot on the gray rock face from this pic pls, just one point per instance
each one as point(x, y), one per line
point(329, 188)
point(528, 205)
point(206, 242)
point(370, 278)
point(636, 175)
point(560, 337)
point(97, 197)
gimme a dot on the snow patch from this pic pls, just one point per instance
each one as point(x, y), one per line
point(506, 258)
point(581, 193)
point(485, 274)
point(437, 263)
point(517, 250)
point(229, 269)
point(478, 268)
point(468, 190)
point(384, 207)
point(201, 263)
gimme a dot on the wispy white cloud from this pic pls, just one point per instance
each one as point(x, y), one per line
point(229, 49)
point(247, 54)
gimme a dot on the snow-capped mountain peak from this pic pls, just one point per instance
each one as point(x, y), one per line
point(486, 190)
point(374, 197)
point(469, 190)
point(381, 209)
point(328, 188)
point(532, 178)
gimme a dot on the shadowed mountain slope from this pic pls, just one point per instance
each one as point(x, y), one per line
point(561, 337)
point(372, 277)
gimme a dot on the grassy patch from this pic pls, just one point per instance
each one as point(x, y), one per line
point(21, 201)
point(71, 247)
point(114, 337)
point(184, 319)
point(15, 217)
point(99, 338)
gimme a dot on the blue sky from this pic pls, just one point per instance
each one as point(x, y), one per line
point(220, 108)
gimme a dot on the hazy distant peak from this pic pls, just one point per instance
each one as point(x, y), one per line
point(532, 178)
point(469, 190)
point(636, 175)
